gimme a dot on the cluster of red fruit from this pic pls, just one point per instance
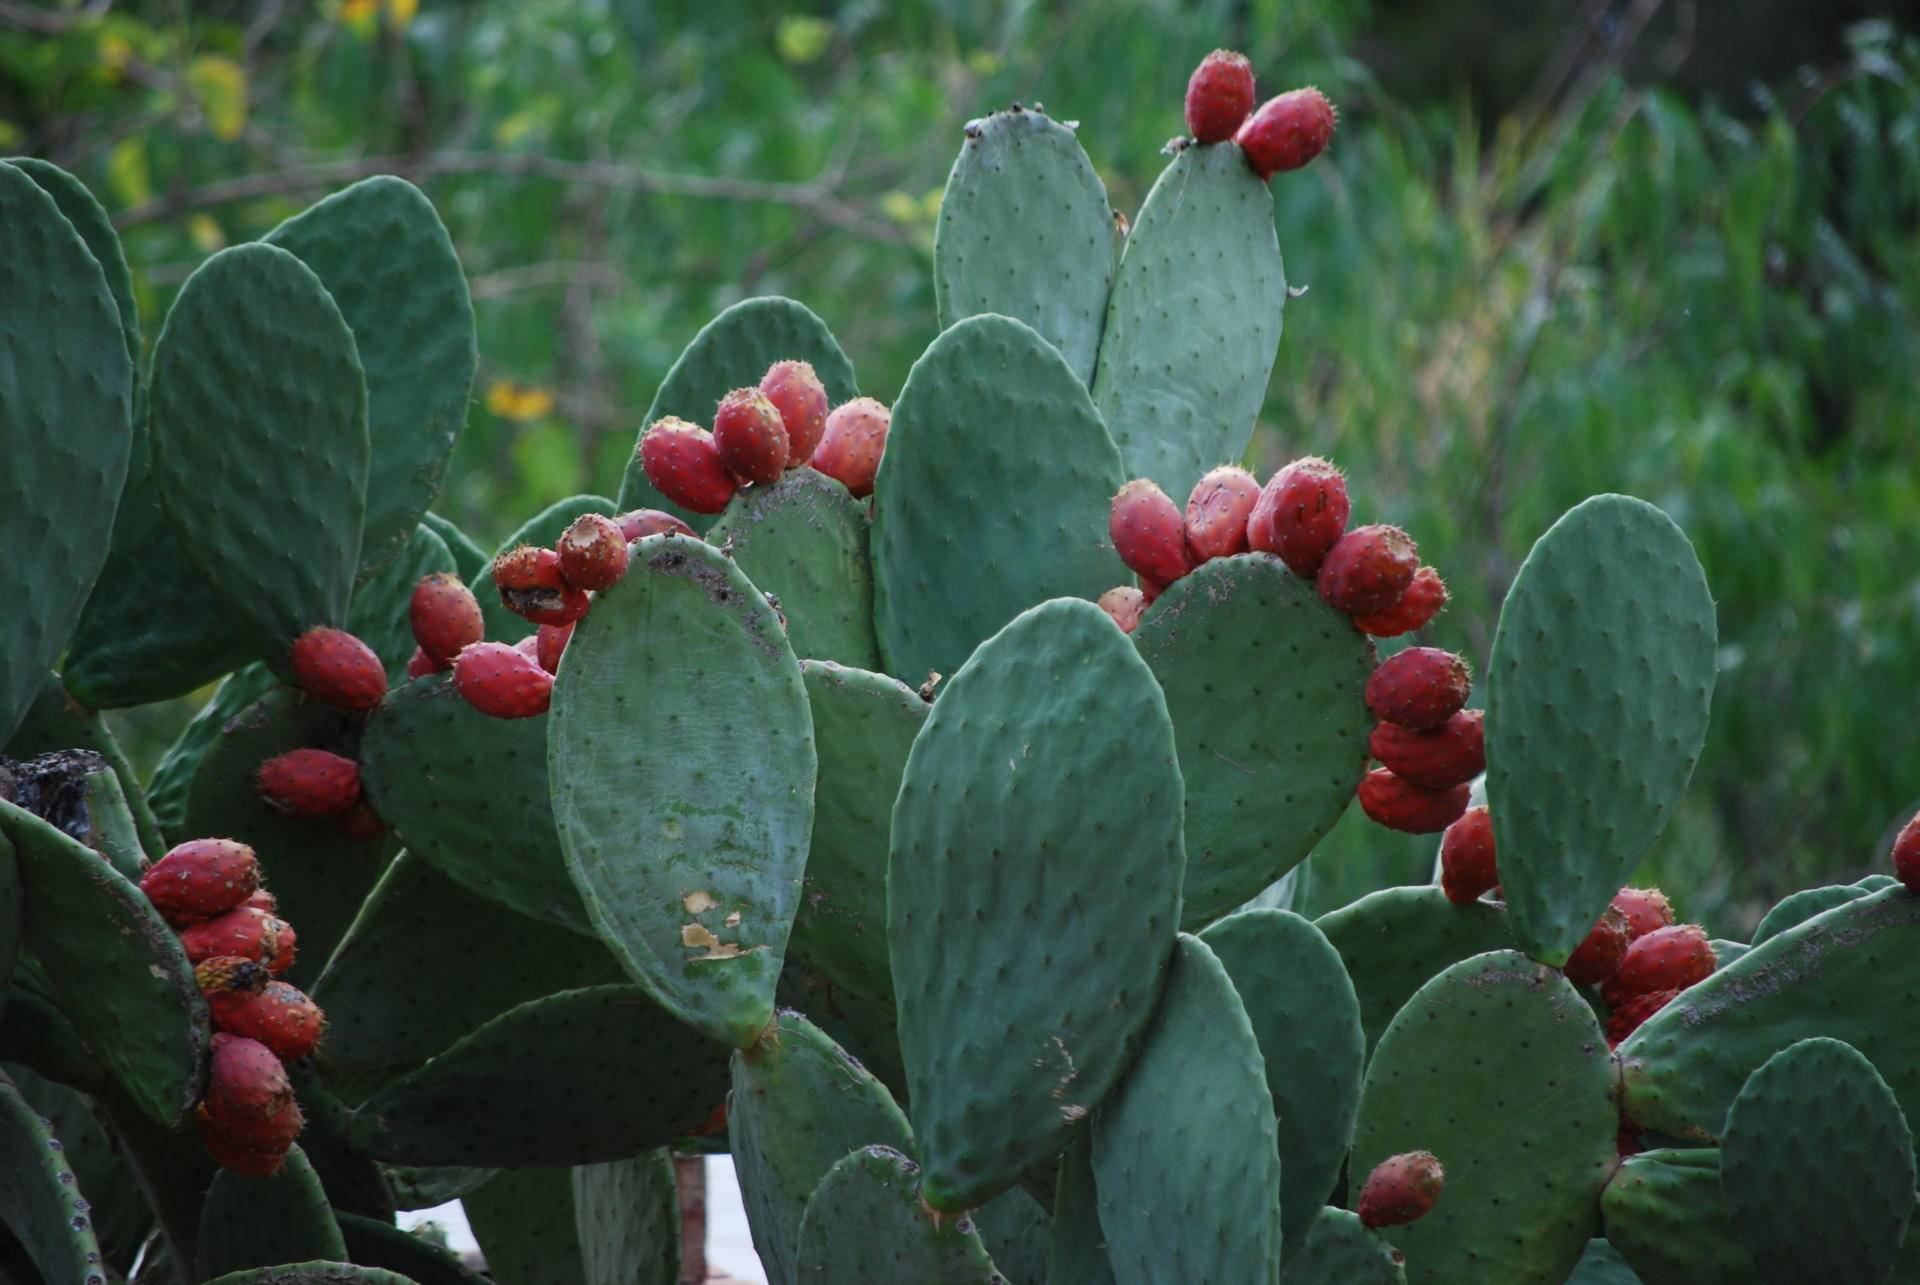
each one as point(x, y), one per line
point(340, 671)
point(209, 890)
point(760, 433)
point(1430, 745)
point(1287, 131)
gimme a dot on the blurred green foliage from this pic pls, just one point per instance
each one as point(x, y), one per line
point(1597, 284)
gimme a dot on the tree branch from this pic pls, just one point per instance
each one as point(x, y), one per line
point(50, 22)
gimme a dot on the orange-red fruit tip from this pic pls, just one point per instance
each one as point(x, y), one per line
point(641, 523)
point(797, 393)
point(1467, 865)
point(502, 681)
point(199, 879)
point(1367, 569)
point(750, 436)
point(1401, 1189)
point(279, 1016)
point(1126, 605)
point(1426, 594)
point(1287, 131)
point(1302, 514)
point(1597, 957)
point(1148, 532)
point(308, 783)
point(1217, 513)
point(684, 464)
point(444, 616)
point(853, 445)
point(593, 553)
point(1401, 805)
point(337, 669)
point(1219, 96)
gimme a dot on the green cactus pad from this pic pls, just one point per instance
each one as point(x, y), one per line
point(469, 559)
point(1306, 1017)
point(1025, 231)
point(256, 380)
point(119, 971)
point(627, 1216)
point(1848, 974)
point(1077, 1252)
point(424, 1186)
point(382, 253)
point(469, 794)
point(799, 1104)
point(1264, 682)
point(11, 899)
point(733, 351)
point(1393, 941)
point(1802, 906)
point(992, 883)
point(1189, 1193)
point(525, 1223)
point(1817, 1167)
point(314, 1273)
point(318, 876)
point(1486, 1060)
point(1597, 699)
point(40, 1202)
point(373, 1243)
point(1339, 1250)
point(804, 540)
point(95, 226)
point(687, 846)
point(352, 1181)
point(119, 1212)
point(1666, 1214)
point(863, 727)
point(418, 924)
point(55, 721)
point(172, 780)
point(1602, 1265)
point(35, 1032)
point(378, 614)
point(258, 1222)
point(1016, 1232)
point(517, 1091)
point(1194, 321)
point(65, 429)
point(865, 1029)
point(990, 418)
point(866, 1222)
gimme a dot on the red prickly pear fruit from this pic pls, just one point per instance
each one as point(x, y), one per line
point(1150, 589)
point(1367, 570)
point(1306, 510)
point(1627, 1018)
point(230, 973)
point(641, 523)
point(1625, 1141)
point(750, 436)
point(593, 553)
point(1598, 957)
point(1219, 96)
point(1467, 866)
point(1426, 594)
point(1126, 605)
point(549, 644)
point(278, 1015)
point(243, 932)
point(1399, 805)
point(419, 665)
point(532, 587)
point(1148, 532)
point(851, 449)
point(445, 617)
point(1906, 855)
point(1666, 959)
point(360, 823)
point(797, 393)
point(1217, 512)
point(684, 464)
point(263, 900)
point(199, 879)
point(1287, 131)
point(1450, 754)
point(245, 1160)
point(1419, 689)
point(501, 681)
point(311, 784)
point(337, 669)
point(1401, 1189)
point(530, 646)
point(715, 1122)
point(247, 1088)
point(1645, 908)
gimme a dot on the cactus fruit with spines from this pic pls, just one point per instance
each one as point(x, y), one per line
point(835, 787)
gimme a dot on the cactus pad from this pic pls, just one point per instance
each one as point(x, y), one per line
point(314, 1273)
point(40, 1203)
point(627, 1216)
point(1597, 697)
point(1264, 682)
point(526, 1225)
point(469, 559)
point(1666, 1214)
point(10, 917)
point(373, 1243)
point(1339, 1250)
point(1078, 1249)
point(992, 885)
point(1488, 1058)
point(258, 1222)
point(1393, 941)
point(866, 1222)
point(991, 415)
point(1800, 907)
point(1016, 1232)
point(95, 226)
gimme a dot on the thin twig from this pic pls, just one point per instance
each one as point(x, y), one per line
point(48, 22)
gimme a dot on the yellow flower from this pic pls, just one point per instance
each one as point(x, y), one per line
point(518, 402)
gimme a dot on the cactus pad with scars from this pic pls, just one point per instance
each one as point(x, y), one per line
point(1306, 1017)
point(517, 1092)
point(1194, 320)
point(469, 794)
point(1801, 906)
point(799, 1104)
point(55, 721)
point(626, 1214)
point(687, 846)
point(991, 415)
point(1189, 1193)
point(258, 1222)
point(1339, 1250)
point(65, 430)
point(255, 378)
point(1393, 941)
point(866, 1222)
point(804, 540)
point(1485, 1060)
point(40, 1203)
point(1597, 696)
point(382, 253)
point(992, 887)
point(1264, 682)
point(116, 966)
point(863, 729)
point(1666, 1214)
point(1025, 232)
point(733, 351)
point(1849, 974)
